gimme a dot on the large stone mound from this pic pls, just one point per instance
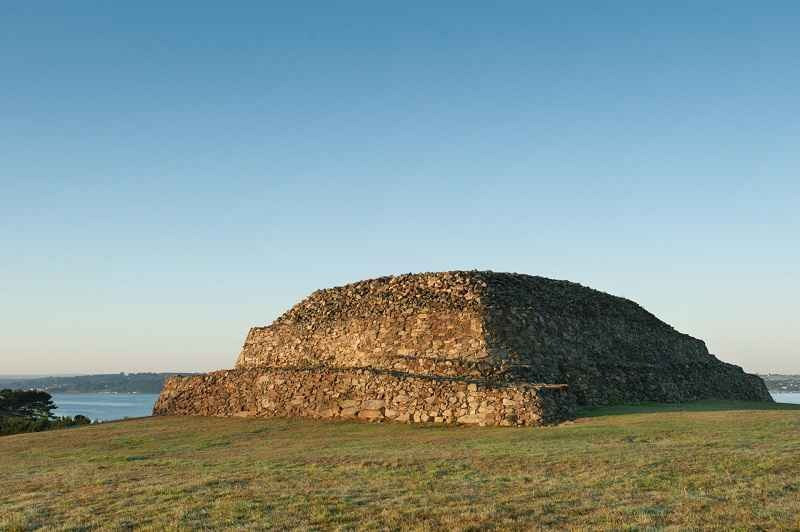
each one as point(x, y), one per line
point(505, 345)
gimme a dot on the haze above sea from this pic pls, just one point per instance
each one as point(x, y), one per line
point(111, 406)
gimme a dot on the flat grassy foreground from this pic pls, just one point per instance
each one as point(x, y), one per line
point(710, 465)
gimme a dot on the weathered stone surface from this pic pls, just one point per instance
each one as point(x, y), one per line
point(248, 392)
point(370, 414)
point(500, 326)
point(467, 347)
point(345, 412)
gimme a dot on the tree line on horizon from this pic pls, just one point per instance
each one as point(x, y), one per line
point(107, 382)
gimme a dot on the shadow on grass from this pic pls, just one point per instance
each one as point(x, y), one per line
point(694, 406)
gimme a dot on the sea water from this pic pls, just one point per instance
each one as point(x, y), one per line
point(104, 406)
point(786, 397)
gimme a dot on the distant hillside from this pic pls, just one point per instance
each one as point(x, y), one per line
point(782, 383)
point(112, 382)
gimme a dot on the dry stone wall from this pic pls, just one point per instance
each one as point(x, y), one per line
point(469, 347)
point(366, 341)
point(363, 394)
point(502, 327)
point(608, 349)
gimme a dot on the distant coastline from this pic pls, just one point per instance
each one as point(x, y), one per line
point(134, 383)
point(112, 383)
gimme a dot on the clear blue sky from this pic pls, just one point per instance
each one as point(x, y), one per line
point(173, 175)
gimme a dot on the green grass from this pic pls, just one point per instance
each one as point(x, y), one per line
point(699, 406)
point(645, 467)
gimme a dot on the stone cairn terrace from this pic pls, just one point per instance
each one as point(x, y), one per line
point(466, 347)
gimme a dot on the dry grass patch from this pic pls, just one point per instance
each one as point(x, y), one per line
point(709, 465)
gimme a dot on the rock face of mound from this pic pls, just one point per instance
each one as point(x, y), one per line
point(511, 341)
point(501, 327)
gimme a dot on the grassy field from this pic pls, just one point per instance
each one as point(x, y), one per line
point(707, 465)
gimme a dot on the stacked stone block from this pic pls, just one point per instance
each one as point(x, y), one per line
point(363, 394)
point(462, 347)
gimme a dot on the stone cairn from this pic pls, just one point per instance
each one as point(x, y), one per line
point(458, 347)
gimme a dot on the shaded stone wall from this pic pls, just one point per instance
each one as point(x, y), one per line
point(606, 348)
point(365, 394)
